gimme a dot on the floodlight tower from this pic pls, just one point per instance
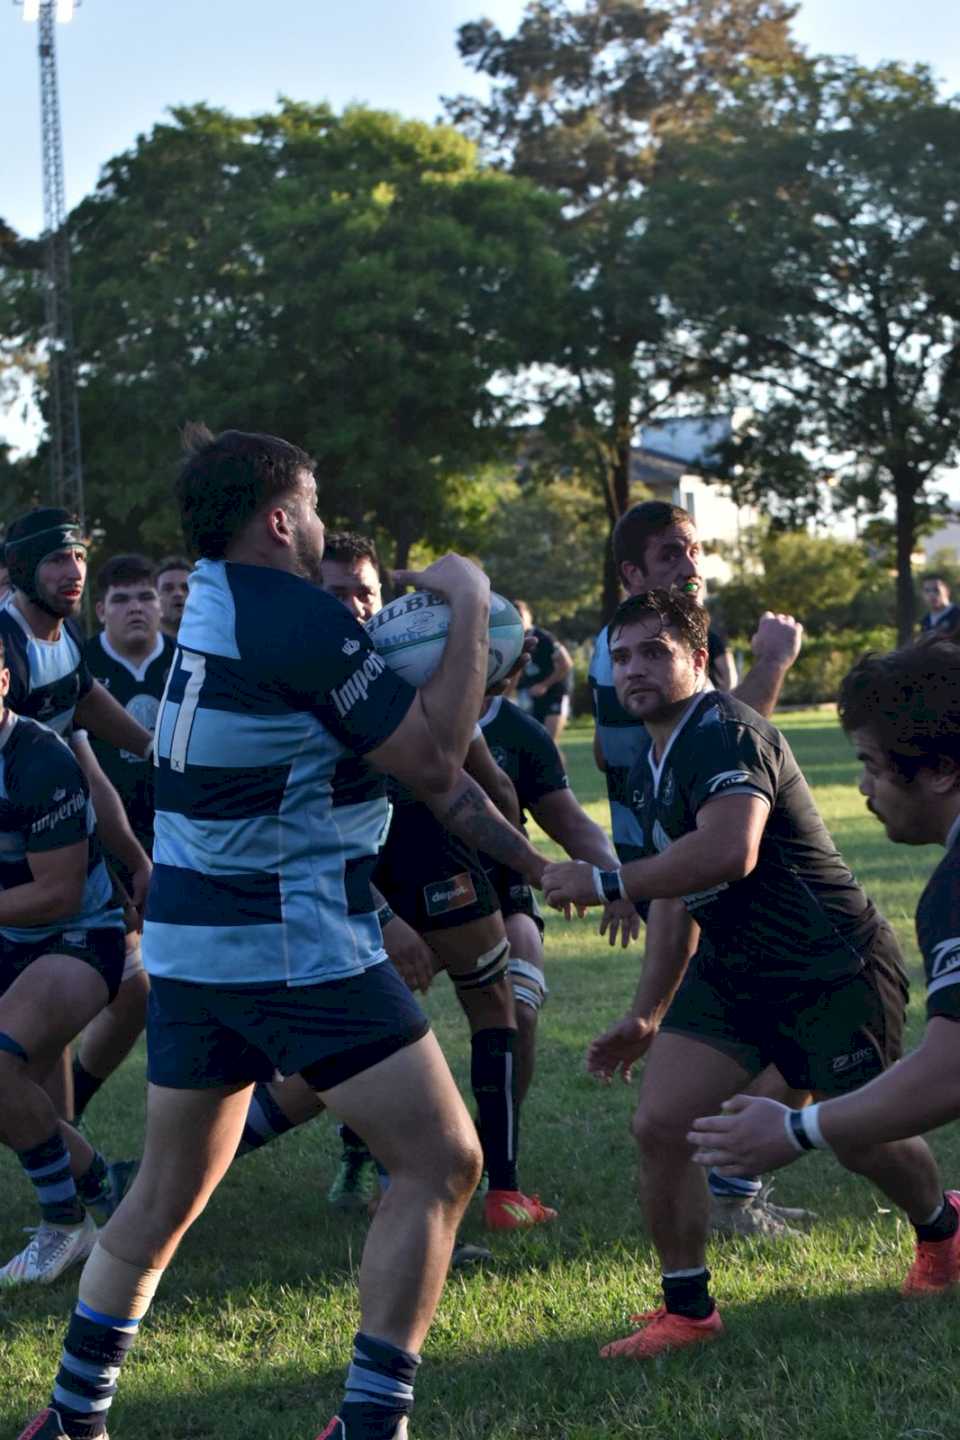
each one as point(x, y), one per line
point(66, 464)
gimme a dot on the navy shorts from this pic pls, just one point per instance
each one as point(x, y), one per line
point(433, 880)
point(516, 897)
point(556, 701)
point(103, 949)
point(201, 1036)
point(829, 1037)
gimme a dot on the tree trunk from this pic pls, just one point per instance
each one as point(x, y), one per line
point(906, 486)
point(618, 498)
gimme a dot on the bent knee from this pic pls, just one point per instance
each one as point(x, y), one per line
point(655, 1131)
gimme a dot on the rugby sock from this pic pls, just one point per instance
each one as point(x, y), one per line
point(95, 1347)
point(93, 1183)
point(733, 1187)
point(85, 1086)
point(265, 1121)
point(942, 1224)
point(491, 1078)
point(47, 1167)
point(351, 1140)
point(686, 1292)
point(379, 1390)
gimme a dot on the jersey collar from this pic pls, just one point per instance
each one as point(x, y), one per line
point(492, 710)
point(657, 769)
point(138, 674)
point(953, 834)
point(6, 726)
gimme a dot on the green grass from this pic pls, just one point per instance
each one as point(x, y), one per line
point(250, 1333)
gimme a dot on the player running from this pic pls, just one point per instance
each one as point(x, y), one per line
point(261, 940)
point(902, 712)
point(796, 967)
point(61, 959)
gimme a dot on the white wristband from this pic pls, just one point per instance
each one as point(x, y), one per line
point(598, 885)
point(811, 1124)
point(788, 1129)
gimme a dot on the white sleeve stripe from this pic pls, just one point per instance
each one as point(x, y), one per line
point(738, 790)
point(951, 978)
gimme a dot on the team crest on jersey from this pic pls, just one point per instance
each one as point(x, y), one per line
point(669, 788)
point(350, 647)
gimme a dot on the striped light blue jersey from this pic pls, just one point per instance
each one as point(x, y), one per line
point(263, 847)
point(48, 678)
point(621, 741)
point(45, 806)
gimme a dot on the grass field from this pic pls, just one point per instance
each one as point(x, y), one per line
point(249, 1335)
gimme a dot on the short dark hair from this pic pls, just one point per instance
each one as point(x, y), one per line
point(346, 546)
point(637, 526)
point(909, 700)
point(226, 479)
point(173, 562)
point(124, 570)
point(675, 612)
point(935, 575)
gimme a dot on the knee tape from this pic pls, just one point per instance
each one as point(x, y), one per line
point(111, 1286)
point(490, 966)
point(529, 985)
point(12, 1047)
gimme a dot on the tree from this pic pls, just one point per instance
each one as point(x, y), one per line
point(582, 102)
point(818, 263)
point(353, 282)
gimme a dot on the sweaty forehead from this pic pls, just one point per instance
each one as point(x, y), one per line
point(348, 572)
point(640, 632)
point(679, 534)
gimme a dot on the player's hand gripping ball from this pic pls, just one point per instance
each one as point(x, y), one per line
point(410, 634)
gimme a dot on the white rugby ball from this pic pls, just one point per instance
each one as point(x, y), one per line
point(411, 631)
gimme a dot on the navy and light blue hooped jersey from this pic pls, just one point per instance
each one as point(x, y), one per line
point(48, 678)
point(938, 932)
point(44, 806)
point(800, 912)
point(263, 852)
point(621, 740)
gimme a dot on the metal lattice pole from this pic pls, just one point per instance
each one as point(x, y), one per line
point(66, 461)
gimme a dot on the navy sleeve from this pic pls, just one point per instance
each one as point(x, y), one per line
point(938, 935)
point(343, 680)
point(541, 768)
point(52, 799)
point(84, 673)
point(733, 759)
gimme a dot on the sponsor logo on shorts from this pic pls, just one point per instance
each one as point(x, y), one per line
point(358, 686)
point(79, 938)
point(840, 1063)
point(452, 894)
point(73, 805)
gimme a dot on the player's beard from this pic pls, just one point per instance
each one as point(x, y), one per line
point(308, 557)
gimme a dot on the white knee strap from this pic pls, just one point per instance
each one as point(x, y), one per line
point(529, 984)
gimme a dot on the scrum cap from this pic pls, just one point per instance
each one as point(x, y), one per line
point(31, 538)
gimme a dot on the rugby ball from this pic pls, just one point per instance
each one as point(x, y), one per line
point(410, 634)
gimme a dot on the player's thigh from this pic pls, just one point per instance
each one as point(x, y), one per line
point(409, 1111)
point(526, 938)
point(684, 1077)
point(475, 955)
point(48, 1003)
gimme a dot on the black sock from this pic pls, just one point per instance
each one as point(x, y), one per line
point(93, 1181)
point(379, 1389)
point(688, 1294)
point(491, 1078)
point(944, 1227)
point(85, 1086)
point(352, 1141)
point(265, 1121)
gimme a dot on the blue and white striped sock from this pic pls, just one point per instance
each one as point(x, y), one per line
point(93, 1352)
point(47, 1167)
point(735, 1187)
point(379, 1391)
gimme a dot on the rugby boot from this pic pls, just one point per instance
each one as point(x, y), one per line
point(752, 1215)
point(512, 1210)
point(662, 1332)
point(351, 1188)
point(52, 1250)
point(936, 1265)
point(335, 1431)
point(466, 1255)
point(48, 1426)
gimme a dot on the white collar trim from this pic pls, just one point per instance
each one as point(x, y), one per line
point(139, 674)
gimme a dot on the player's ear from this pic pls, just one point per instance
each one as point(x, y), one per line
point(632, 576)
point(946, 776)
point(101, 610)
point(701, 659)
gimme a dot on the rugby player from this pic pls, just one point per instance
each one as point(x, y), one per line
point(61, 959)
point(543, 686)
point(796, 967)
point(436, 884)
point(656, 545)
point(131, 659)
point(260, 938)
point(173, 580)
point(902, 713)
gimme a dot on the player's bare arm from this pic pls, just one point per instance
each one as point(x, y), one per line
point(409, 952)
point(562, 665)
point(672, 937)
point(469, 814)
point(775, 645)
point(113, 826)
point(54, 891)
point(105, 718)
point(723, 849)
point(564, 819)
point(481, 765)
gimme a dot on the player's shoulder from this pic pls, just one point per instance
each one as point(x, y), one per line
point(94, 653)
point(36, 756)
point(724, 715)
point(258, 615)
point(940, 901)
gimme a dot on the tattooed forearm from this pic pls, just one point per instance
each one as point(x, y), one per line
point(470, 815)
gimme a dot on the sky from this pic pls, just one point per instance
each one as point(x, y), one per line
point(123, 63)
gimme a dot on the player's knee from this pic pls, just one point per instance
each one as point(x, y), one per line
point(655, 1131)
point(486, 973)
point(529, 991)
